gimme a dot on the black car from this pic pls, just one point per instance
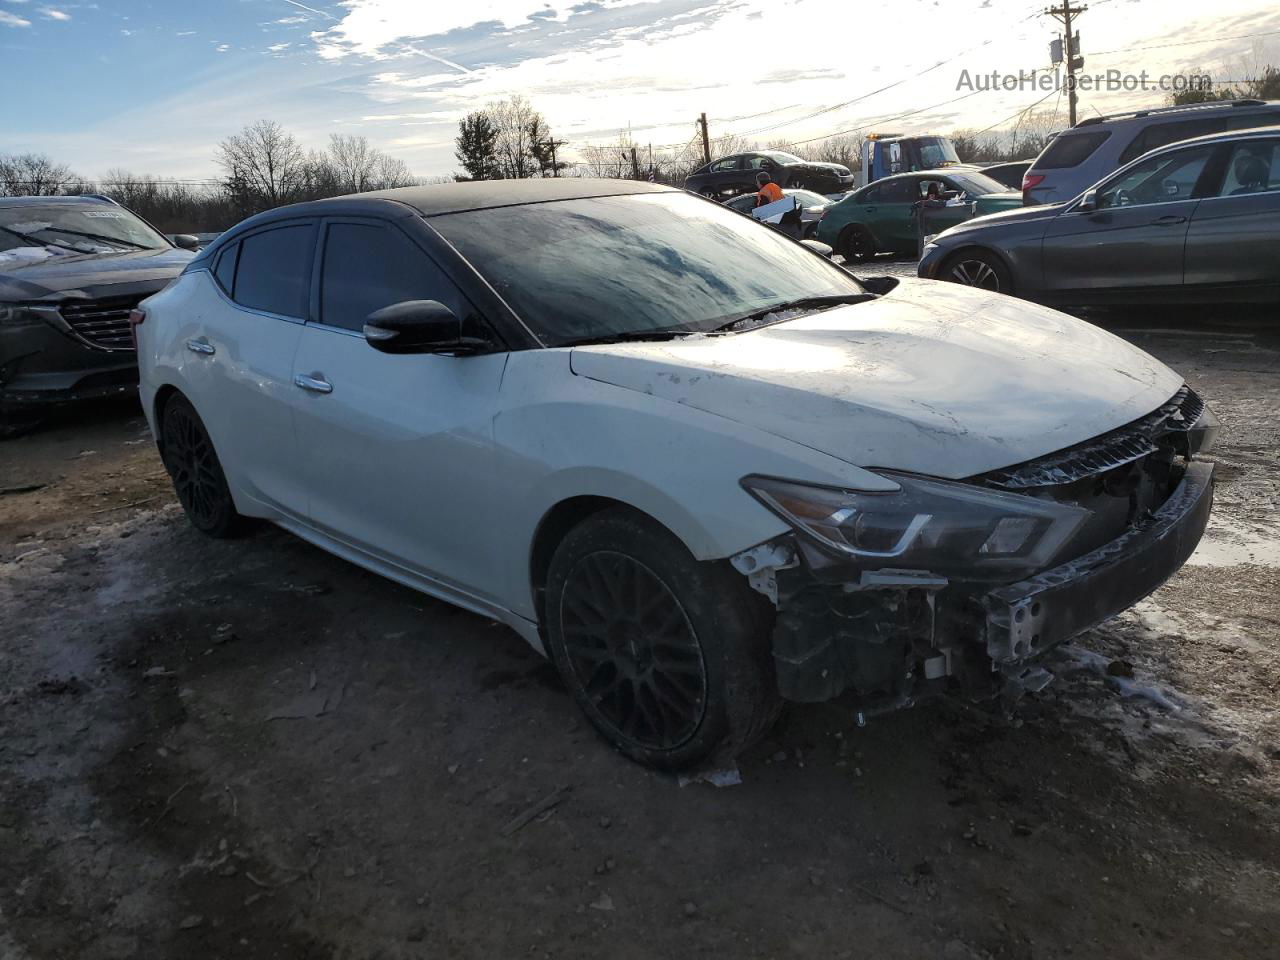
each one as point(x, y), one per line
point(71, 270)
point(730, 176)
point(1196, 220)
point(1010, 174)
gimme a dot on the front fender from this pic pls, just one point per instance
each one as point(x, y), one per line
point(560, 436)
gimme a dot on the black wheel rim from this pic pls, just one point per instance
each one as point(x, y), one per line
point(632, 651)
point(976, 273)
point(858, 247)
point(190, 460)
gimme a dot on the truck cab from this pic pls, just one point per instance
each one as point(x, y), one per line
point(884, 154)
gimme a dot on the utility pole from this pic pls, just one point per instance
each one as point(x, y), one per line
point(552, 144)
point(706, 140)
point(1071, 54)
point(635, 164)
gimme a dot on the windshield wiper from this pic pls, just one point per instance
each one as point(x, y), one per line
point(626, 336)
point(801, 303)
point(103, 238)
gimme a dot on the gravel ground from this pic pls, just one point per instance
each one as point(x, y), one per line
point(253, 749)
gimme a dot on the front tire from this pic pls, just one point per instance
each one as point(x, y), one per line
point(194, 468)
point(977, 268)
point(856, 244)
point(667, 656)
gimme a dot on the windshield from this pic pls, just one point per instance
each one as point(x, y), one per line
point(977, 184)
point(779, 157)
point(76, 228)
point(617, 266)
point(936, 152)
point(808, 197)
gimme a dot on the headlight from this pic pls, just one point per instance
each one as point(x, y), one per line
point(953, 529)
point(17, 316)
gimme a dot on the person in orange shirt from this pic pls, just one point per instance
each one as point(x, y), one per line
point(769, 191)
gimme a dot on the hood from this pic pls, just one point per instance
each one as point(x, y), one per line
point(933, 378)
point(49, 279)
point(836, 168)
point(1018, 215)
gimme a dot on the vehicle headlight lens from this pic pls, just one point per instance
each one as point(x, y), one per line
point(16, 316)
point(954, 529)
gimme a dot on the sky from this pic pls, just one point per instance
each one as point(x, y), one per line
point(151, 86)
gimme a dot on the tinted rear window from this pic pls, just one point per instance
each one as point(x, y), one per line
point(274, 268)
point(1070, 150)
point(225, 269)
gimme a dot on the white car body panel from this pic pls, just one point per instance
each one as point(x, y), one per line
point(436, 471)
point(934, 378)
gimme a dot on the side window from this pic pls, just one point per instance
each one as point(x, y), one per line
point(1249, 121)
point(899, 191)
point(1168, 177)
point(1254, 167)
point(869, 195)
point(274, 269)
point(757, 162)
point(224, 271)
point(368, 266)
point(724, 166)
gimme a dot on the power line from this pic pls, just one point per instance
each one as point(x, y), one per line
point(1024, 110)
point(1187, 43)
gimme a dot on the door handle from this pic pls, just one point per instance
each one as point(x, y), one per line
point(316, 384)
point(1168, 221)
point(201, 345)
point(869, 209)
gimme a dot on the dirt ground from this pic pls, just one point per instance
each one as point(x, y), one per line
point(253, 749)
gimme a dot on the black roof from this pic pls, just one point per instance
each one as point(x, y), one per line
point(44, 201)
point(483, 194)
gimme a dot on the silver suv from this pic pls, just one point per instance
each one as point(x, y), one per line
point(1081, 156)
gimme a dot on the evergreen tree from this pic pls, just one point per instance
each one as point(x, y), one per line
point(477, 147)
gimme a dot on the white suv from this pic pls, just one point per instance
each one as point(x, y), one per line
point(697, 464)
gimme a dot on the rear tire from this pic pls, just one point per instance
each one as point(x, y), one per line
point(194, 468)
point(14, 425)
point(667, 656)
point(978, 268)
point(856, 244)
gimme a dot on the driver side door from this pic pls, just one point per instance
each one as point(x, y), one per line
point(1134, 240)
point(397, 449)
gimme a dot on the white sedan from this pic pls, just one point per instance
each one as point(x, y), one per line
point(699, 466)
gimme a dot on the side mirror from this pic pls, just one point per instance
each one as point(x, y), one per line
point(1088, 203)
point(186, 241)
point(418, 326)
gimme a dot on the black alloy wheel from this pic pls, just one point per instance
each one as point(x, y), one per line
point(634, 652)
point(193, 466)
point(669, 657)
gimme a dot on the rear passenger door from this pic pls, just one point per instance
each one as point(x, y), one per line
point(1234, 236)
point(397, 449)
point(240, 361)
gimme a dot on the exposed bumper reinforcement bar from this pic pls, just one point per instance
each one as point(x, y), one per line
point(1026, 618)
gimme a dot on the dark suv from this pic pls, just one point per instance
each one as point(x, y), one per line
point(71, 270)
point(730, 176)
point(1096, 146)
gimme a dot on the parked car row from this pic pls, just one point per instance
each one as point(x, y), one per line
point(1196, 220)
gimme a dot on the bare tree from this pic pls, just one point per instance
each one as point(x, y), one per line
point(513, 119)
point(33, 175)
point(354, 162)
point(264, 166)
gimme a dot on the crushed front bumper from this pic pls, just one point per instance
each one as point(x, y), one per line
point(1027, 618)
point(893, 636)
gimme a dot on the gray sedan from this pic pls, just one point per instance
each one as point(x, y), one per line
point(1197, 220)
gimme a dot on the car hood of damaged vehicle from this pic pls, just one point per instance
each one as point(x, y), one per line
point(932, 378)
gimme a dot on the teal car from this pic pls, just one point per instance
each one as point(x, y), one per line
point(881, 217)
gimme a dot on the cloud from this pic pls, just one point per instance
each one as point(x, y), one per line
point(12, 20)
point(277, 47)
point(222, 47)
point(300, 18)
point(51, 14)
